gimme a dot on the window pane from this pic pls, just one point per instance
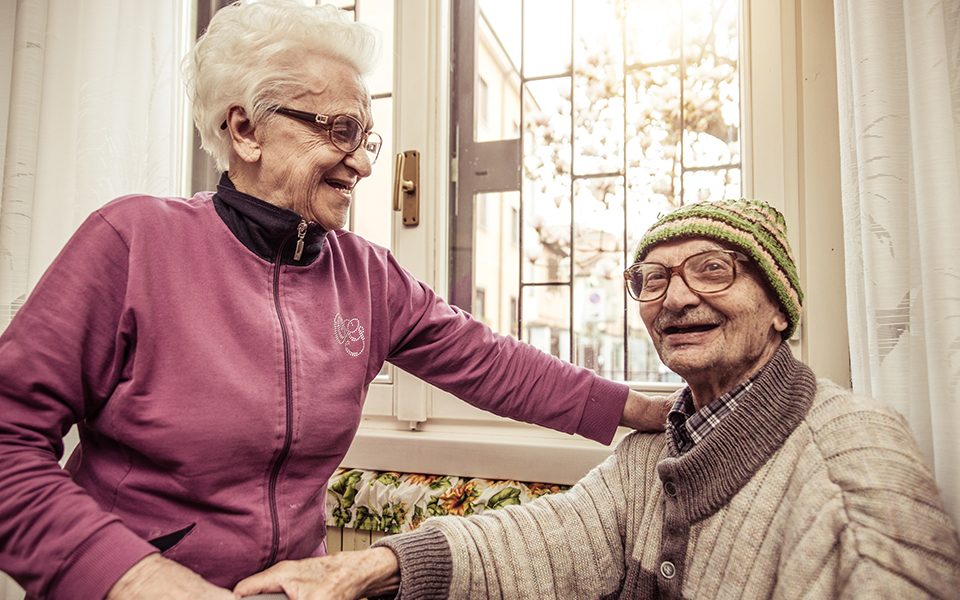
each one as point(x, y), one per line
point(497, 280)
point(379, 13)
point(497, 85)
point(372, 208)
point(501, 20)
point(711, 184)
point(546, 319)
point(653, 31)
point(546, 230)
point(598, 263)
point(598, 99)
point(547, 37)
point(548, 152)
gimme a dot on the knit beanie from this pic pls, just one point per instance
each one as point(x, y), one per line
point(751, 226)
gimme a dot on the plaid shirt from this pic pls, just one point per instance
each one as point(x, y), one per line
point(691, 426)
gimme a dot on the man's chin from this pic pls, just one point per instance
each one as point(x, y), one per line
point(685, 360)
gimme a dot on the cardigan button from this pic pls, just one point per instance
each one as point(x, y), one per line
point(667, 569)
point(670, 489)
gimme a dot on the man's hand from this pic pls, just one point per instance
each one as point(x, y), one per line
point(158, 578)
point(340, 576)
point(645, 413)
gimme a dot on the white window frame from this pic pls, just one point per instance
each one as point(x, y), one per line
point(790, 158)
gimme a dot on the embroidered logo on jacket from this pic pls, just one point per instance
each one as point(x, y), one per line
point(350, 334)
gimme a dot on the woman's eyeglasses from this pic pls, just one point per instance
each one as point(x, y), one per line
point(346, 132)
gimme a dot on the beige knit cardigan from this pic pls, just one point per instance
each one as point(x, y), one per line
point(805, 491)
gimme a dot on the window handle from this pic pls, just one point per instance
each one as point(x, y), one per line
point(406, 187)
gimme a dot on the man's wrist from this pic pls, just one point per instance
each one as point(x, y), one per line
point(384, 572)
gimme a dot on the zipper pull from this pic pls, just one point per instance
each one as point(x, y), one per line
point(301, 233)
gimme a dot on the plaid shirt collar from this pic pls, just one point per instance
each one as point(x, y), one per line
point(691, 426)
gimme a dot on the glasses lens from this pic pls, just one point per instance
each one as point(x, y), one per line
point(652, 280)
point(346, 133)
point(709, 272)
point(372, 145)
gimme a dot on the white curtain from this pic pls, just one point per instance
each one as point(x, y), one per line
point(91, 108)
point(899, 89)
point(95, 110)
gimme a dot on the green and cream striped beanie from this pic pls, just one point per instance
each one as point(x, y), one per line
point(751, 226)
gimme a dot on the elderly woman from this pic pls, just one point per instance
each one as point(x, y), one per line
point(215, 352)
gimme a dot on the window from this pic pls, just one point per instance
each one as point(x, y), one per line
point(556, 294)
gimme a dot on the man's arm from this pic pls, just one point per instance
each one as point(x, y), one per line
point(340, 576)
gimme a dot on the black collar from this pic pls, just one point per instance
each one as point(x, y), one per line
point(264, 228)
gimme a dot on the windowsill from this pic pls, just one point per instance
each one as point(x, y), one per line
point(457, 439)
point(556, 458)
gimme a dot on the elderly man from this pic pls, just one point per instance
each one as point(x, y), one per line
point(769, 483)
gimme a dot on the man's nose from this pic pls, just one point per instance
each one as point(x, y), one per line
point(679, 295)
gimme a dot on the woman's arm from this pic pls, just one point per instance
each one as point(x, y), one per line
point(60, 358)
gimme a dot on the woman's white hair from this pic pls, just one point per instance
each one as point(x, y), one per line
point(243, 58)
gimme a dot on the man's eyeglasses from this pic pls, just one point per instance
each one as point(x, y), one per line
point(704, 273)
point(346, 132)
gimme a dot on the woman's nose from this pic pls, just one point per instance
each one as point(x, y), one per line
point(360, 161)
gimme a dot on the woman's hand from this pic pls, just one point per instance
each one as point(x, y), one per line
point(340, 576)
point(158, 578)
point(645, 413)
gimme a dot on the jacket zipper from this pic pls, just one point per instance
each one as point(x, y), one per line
point(301, 233)
point(288, 391)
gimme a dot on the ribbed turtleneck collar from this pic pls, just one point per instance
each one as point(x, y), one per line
point(264, 228)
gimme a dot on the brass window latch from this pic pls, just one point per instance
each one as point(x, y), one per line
point(406, 187)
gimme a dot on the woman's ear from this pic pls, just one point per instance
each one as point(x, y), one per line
point(243, 134)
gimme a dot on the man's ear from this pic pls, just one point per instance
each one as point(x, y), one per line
point(780, 320)
point(243, 134)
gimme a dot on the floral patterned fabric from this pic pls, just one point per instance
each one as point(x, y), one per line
point(400, 502)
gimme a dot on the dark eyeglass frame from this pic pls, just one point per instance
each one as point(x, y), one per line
point(327, 122)
point(630, 273)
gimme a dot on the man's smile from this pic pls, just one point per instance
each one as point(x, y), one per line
point(696, 328)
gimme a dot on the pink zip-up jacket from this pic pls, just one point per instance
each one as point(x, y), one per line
point(215, 353)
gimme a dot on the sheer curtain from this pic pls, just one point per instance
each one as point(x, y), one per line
point(899, 88)
point(95, 110)
point(91, 108)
